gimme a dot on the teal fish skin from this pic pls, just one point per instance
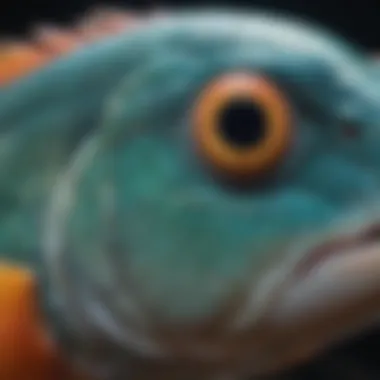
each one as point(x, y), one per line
point(140, 247)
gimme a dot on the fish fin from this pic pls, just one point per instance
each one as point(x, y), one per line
point(26, 352)
point(17, 59)
point(47, 43)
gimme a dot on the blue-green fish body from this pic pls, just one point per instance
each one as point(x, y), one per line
point(155, 238)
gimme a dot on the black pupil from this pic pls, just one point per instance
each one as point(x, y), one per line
point(242, 123)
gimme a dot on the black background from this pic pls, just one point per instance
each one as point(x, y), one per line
point(357, 20)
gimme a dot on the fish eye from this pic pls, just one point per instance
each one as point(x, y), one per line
point(242, 125)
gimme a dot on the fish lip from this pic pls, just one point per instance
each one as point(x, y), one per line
point(323, 274)
point(328, 295)
point(337, 246)
point(339, 275)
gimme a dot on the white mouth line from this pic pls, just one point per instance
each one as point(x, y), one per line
point(297, 265)
point(336, 247)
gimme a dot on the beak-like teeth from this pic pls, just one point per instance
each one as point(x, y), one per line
point(346, 279)
point(333, 299)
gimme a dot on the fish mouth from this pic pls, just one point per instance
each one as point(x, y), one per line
point(330, 294)
point(339, 247)
point(348, 261)
point(341, 273)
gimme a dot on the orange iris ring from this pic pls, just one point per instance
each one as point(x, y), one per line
point(235, 161)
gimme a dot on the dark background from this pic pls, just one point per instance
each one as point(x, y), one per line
point(357, 20)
